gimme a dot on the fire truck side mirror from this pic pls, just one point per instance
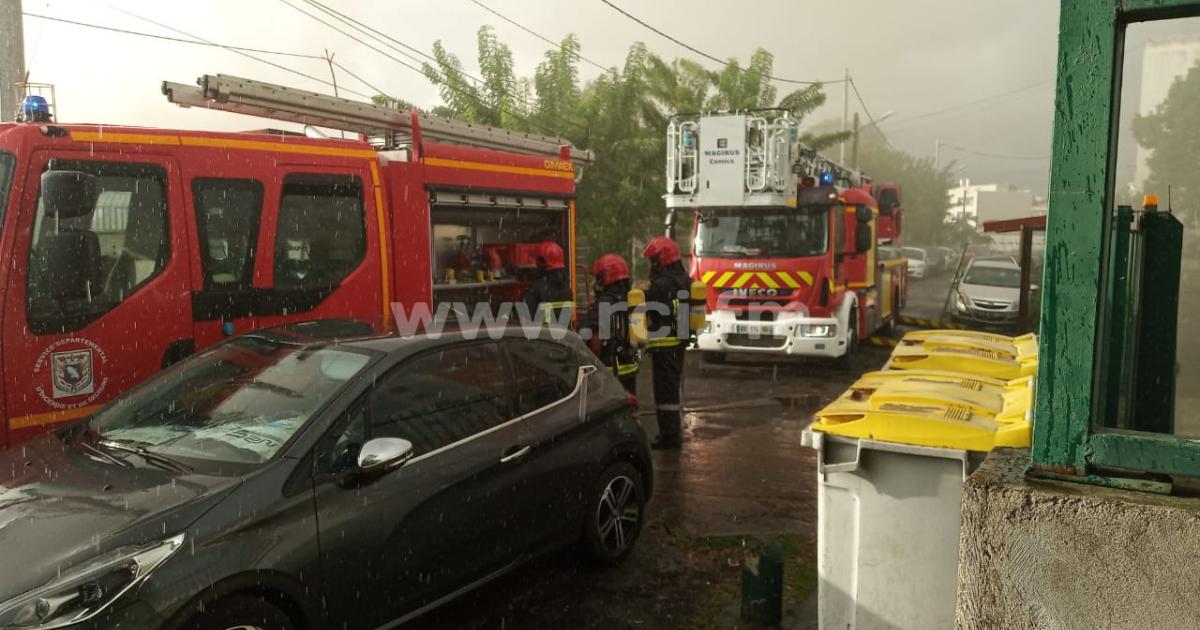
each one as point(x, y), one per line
point(862, 237)
point(69, 194)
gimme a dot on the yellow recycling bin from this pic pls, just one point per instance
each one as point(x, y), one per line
point(892, 455)
point(1023, 347)
point(963, 359)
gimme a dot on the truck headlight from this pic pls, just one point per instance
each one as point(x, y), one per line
point(83, 591)
point(818, 330)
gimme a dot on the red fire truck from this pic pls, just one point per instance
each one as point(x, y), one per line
point(123, 250)
point(786, 241)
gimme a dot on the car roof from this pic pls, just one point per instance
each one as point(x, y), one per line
point(379, 337)
point(995, 263)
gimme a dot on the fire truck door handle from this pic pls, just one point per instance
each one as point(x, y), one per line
point(514, 453)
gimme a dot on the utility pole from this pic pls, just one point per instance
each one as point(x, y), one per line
point(937, 154)
point(12, 57)
point(845, 113)
point(854, 149)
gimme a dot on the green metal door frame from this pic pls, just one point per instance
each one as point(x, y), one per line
point(1069, 438)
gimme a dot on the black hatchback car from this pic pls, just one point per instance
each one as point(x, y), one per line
point(297, 478)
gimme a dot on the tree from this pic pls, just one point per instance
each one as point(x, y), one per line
point(923, 186)
point(1172, 133)
point(622, 116)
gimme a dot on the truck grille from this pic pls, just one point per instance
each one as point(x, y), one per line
point(756, 341)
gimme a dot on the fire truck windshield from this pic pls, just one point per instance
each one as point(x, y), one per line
point(6, 168)
point(763, 233)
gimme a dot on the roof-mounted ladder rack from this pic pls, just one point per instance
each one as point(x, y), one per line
point(391, 128)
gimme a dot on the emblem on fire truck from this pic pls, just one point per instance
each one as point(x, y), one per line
point(71, 365)
point(71, 373)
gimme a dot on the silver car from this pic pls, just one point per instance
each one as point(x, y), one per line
point(989, 292)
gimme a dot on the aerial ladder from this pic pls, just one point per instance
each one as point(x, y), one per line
point(383, 127)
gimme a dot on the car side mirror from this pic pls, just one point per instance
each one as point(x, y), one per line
point(385, 454)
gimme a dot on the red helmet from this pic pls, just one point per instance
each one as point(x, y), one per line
point(550, 256)
point(610, 268)
point(662, 251)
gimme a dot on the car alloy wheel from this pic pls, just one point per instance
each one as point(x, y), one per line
point(618, 514)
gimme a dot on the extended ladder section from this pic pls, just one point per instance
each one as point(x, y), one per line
point(742, 158)
point(388, 128)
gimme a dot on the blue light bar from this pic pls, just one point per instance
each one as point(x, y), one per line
point(35, 109)
point(827, 178)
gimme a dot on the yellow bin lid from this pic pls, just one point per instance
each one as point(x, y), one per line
point(862, 398)
point(1008, 401)
point(1019, 348)
point(936, 425)
point(963, 360)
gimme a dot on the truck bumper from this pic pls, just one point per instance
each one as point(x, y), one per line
point(785, 336)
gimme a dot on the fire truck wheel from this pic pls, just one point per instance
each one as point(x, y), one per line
point(846, 361)
point(713, 357)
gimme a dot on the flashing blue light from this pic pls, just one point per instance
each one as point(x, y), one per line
point(827, 179)
point(35, 109)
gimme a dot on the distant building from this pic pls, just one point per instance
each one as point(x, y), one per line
point(980, 203)
point(1163, 60)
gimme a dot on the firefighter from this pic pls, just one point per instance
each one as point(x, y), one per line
point(669, 284)
point(550, 298)
point(613, 345)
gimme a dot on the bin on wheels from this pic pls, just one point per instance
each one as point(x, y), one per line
point(889, 487)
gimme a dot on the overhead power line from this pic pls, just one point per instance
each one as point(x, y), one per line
point(999, 156)
point(377, 36)
point(534, 33)
point(240, 52)
point(171, 39)
point(863, 104)
point(990, 101)
point(722, 62)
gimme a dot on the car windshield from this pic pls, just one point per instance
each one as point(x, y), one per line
point(1006, 277)
point(765, 233)
point(238, 403)
point(6, 169)
point(913, 252)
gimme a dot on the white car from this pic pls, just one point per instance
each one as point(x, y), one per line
point(989, 292)
point(916, 261)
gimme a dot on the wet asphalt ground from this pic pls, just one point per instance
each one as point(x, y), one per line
point(741, 480)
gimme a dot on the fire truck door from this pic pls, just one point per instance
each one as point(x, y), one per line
point(227, 218)
point(98, 294)
point(323, 255)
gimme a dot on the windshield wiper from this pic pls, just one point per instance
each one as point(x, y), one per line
point(154, 458)
point(107, 457)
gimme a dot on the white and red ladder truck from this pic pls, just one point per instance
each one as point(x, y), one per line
point(786, 241)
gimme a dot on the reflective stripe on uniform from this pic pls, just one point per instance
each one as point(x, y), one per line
point(667, 407)
point(663, 342)
point(548, 309)
point(626, 369)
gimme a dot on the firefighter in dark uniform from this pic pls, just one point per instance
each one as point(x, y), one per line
point(611, 339)
point(550, 298)
point(669, 287)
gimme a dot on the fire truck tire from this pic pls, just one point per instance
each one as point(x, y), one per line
point(715, 358)
point(847, 361)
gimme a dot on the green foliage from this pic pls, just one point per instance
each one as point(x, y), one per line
point(1172, 132)
point(621, 115)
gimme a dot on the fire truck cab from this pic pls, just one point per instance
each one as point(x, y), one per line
point(123, 250)
point(786, 241)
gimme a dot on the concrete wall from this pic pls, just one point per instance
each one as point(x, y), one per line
point(1047, 555)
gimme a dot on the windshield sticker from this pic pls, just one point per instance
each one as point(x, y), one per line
point(261, 438)
point(70, 374)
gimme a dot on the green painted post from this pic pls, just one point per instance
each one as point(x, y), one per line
point(1075, 228)
point(1158, 316)
point(1119, 293)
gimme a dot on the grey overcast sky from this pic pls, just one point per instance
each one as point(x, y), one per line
point(988, 64)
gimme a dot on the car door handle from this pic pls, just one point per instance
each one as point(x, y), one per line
point(514, 453)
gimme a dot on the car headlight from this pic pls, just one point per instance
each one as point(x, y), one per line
point(83, 591)
point(817, 330)
point(963, 302)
